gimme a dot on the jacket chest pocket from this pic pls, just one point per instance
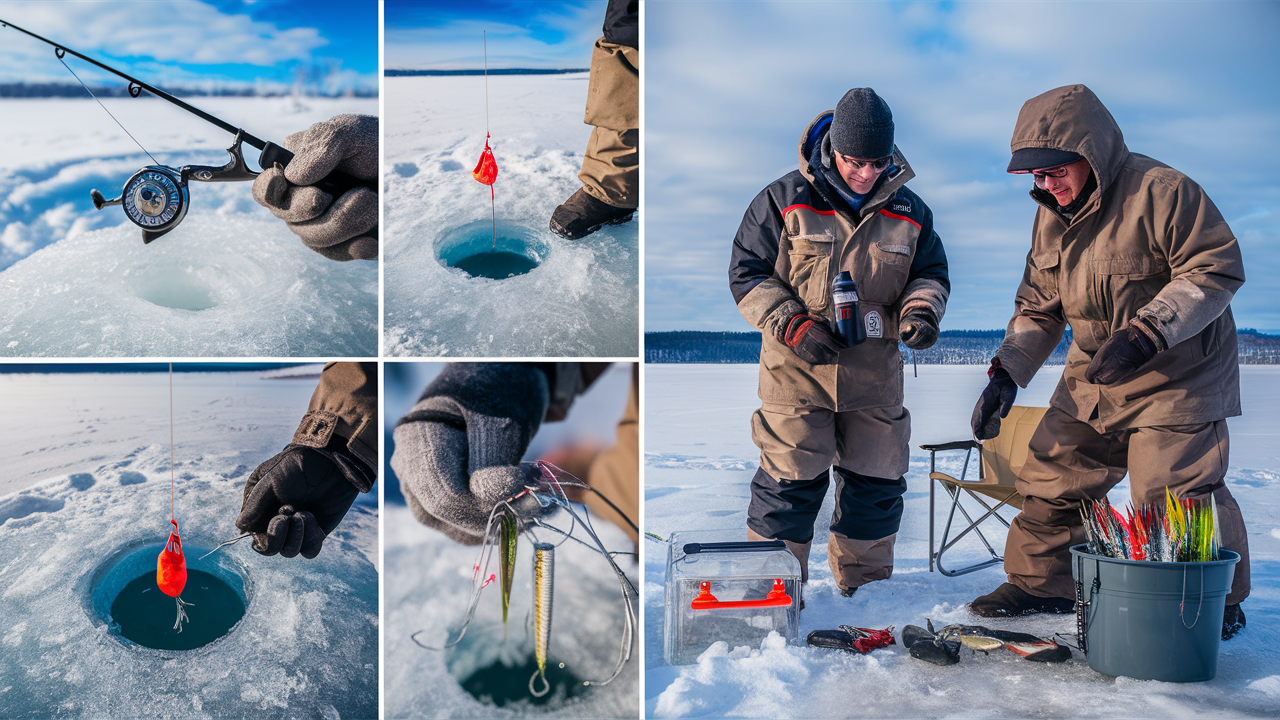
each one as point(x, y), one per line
point(890, 265)
point(1044, 272)
point(1124, 284)
point(810, 276)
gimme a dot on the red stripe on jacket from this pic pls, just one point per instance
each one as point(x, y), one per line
point(899, 217)
point(789, 208)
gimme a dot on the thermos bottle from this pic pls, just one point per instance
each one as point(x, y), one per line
point(844, 296)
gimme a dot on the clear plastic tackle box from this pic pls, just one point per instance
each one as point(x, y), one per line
point(719, 588)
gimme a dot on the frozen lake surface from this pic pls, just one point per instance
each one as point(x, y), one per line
point(582, 299)
point(231, 280)
point(86, 475)
point(698, 464)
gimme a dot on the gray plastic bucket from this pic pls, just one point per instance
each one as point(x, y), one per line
point(1154, 620)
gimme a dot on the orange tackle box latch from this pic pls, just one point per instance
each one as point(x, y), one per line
point(777, 597)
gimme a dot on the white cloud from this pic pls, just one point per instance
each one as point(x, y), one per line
point(166, 31)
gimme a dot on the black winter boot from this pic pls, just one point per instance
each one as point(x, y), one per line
point(582, 215)
point(1232, 621)
point(1009, 600)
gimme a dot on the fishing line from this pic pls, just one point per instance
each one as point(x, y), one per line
point(59, 52)
point(173, 498)
point(493, 208)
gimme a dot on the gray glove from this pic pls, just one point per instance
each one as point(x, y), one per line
point(341, 229)
point(457, 449)
point(295, 499)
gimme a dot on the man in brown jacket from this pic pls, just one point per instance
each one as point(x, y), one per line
point(1137, 260)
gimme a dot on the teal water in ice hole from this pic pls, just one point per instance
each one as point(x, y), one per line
point(145, 615)
point(496, 265)
point(483, 249)
point(502, 685)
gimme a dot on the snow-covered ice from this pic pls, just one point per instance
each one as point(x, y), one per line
point(581, 301)
point(428, 579)
point(86, 470)
point(698, 464)
point(231, 280)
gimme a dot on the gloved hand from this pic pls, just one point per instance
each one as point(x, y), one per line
point(1123, 353)
point(457, 449)
point(998, 395)
point(295, 499)
point(918, 329)
point(341, 229)
point(811, 340)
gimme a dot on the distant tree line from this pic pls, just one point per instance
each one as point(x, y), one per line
point(73, 90)
point(954, 347)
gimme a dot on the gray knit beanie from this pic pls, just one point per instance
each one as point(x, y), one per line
point(862, 126)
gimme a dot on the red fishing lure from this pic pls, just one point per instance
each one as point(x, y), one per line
point(487, 167)
point(171, 566)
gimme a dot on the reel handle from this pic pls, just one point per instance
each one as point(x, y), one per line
point(335, 183)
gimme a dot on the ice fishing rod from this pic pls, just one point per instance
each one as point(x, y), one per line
point(156, 197)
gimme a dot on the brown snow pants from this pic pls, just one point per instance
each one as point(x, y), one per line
point(1069, 461)
point(611, 165)
point(616, 471)
point(798, 444)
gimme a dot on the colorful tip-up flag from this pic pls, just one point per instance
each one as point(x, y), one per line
point(487, 167)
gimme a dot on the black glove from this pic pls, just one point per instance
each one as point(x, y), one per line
point(998, 395)
point(1123, 353)
point(457, 449)
point(918, 329)
point(811, 340)
point(295, 499)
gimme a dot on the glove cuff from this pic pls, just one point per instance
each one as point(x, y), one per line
point(796, 328)
point(357, 472)
point(1144, 326)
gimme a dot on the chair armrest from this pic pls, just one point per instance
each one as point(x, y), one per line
point(957, 445)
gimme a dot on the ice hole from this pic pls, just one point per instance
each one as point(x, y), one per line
point(176, 290)
point(473, 249)
point(123, 596)
point(496, 671)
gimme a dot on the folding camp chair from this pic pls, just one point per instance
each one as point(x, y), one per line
point(1001, 459)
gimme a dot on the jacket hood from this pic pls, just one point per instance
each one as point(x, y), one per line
point(814, 134)
point(1073, 119)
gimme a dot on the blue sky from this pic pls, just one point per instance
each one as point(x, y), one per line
point(522, 34)
point(332, 43)
point(730, 86)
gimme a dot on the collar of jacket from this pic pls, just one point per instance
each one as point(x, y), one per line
point(812, 137)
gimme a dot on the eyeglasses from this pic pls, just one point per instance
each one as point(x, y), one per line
point(857, 164)
point(1057, 172)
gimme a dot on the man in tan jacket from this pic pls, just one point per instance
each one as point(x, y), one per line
point(1134, 256)
point(831, 412)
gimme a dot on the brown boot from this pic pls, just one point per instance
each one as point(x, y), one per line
point(1009, 600)
point(582, 215)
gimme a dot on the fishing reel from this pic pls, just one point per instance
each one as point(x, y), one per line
point(156, 197)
